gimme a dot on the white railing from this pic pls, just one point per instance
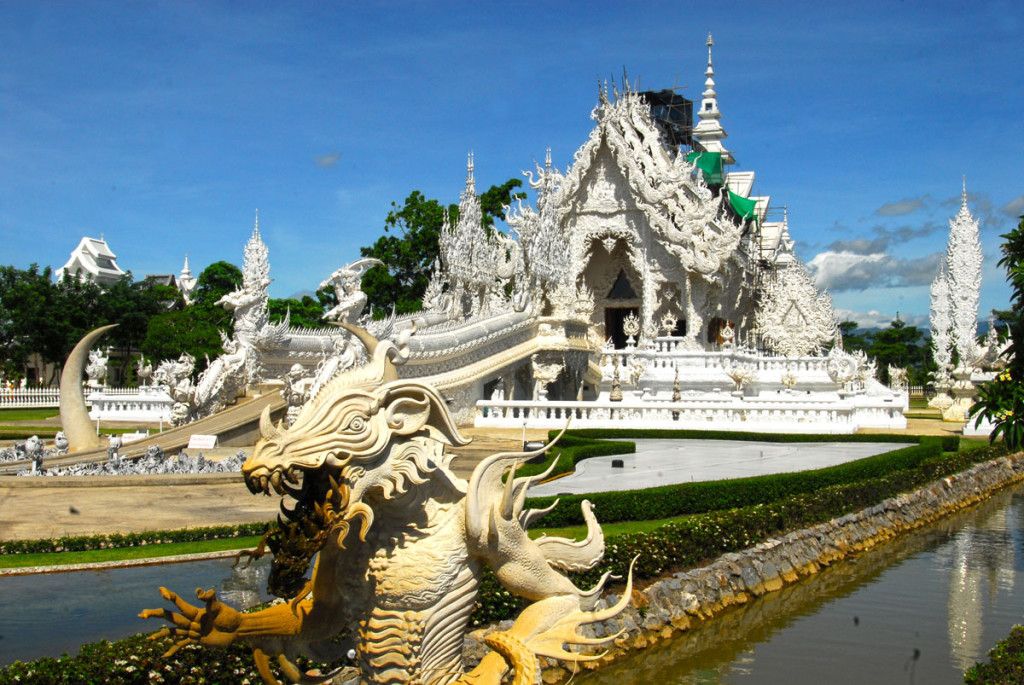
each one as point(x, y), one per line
point(783, 415)
point(29, 398)
point(150, 404)
point(50, 397)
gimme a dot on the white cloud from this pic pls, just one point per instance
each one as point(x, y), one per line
point(900, 208)
point(876, 319)
point(839, 270)
point(1014, 207)
point(844, 270)
point(328, 161)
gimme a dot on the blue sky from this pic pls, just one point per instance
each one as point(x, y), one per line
point(165, 126)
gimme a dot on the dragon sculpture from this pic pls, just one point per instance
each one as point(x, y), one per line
point(402, 544)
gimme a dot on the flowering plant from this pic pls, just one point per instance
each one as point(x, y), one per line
point(1001, 401)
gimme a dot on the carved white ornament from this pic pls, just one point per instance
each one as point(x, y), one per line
point(793, 318)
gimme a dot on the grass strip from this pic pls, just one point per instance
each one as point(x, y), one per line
point(28, 414)
point(125, 553)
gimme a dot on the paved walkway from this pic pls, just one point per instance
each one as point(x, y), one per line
point(669, 462)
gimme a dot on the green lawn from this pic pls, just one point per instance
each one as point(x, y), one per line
point(123, 553)
point(28, 414)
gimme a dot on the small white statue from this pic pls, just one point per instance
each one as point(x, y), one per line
point(60, 441)
point(144, 370)
point(347, 284)
point(96, 370)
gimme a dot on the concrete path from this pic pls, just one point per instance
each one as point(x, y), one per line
point(668, 462)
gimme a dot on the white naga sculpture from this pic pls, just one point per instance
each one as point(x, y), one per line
point(241, 364)
point(402, 542)
point(346, 283)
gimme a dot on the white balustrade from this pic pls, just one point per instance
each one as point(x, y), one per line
point(823, 413)
point(29, 397)
point(149, 404)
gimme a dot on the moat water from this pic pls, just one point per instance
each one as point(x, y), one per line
point(921, 610)
point(50, 614)
point(917, 610)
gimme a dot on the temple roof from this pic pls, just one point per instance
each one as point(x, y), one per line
point(94, 261)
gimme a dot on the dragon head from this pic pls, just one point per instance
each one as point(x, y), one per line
point(367, 432)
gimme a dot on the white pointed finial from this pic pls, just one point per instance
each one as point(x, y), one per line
point(547, 159)
point(710, 42)
point(469, 169)
point(256, 226)
point(963, 198)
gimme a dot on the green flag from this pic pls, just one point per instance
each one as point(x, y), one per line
point(742, 205)
point(710, 164)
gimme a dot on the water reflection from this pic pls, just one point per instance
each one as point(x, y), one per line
point(919, 610)
point(47, 615)
point(981, 564)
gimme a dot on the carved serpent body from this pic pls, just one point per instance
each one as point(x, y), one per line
point(368, 452)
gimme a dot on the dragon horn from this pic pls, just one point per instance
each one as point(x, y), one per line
point(267, 428)
point(372, 346)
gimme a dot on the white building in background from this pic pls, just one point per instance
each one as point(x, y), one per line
point(93, 261)
point(186, 282)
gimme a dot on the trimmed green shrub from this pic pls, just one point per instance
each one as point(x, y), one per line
point(690, 498)
point(85, 543)
point(1005, 662)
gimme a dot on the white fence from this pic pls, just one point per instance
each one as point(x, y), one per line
point(109, 404)
point(766, 416)
point(29, 398)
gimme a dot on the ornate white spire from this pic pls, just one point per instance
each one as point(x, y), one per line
point(941, 323)
point(186, 283)
point(963, 260)
point(709, 132)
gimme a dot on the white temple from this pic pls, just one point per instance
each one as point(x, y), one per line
point(646, 286)
point(93, 261)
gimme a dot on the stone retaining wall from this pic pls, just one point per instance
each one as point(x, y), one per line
point(674, 604)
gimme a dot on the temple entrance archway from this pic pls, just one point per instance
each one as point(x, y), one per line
point(613, 320)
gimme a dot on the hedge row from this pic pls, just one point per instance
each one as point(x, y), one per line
point(690, 498)
point(85, 543)
point(699, 538)
point(571, 450)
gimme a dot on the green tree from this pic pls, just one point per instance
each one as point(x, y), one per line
point(304, 313)
point(411, 245)
point(1002, 401)
point(853, 341)
point(194, 329)
point(898, 345)
point(408, 251)
point(132, 305)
